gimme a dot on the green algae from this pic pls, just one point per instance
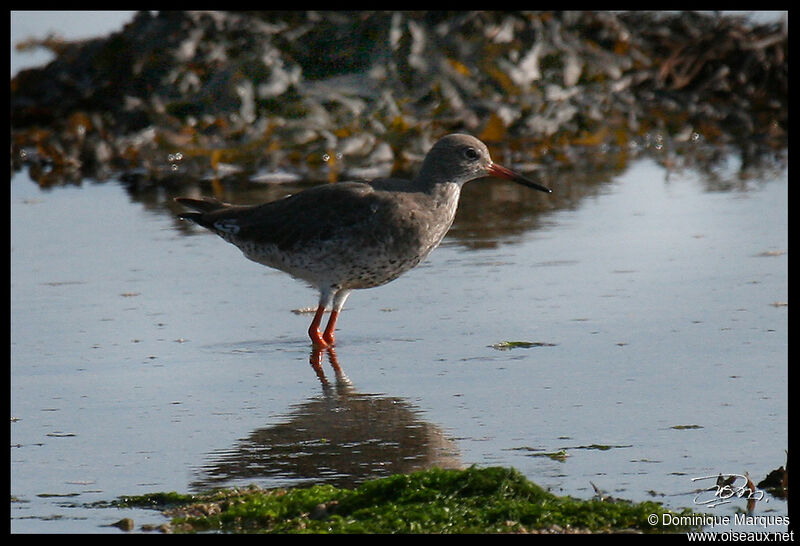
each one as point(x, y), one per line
point(474, 500)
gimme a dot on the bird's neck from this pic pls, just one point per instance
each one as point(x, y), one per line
point(442, 196)
point(445, 198)
point(449, 191)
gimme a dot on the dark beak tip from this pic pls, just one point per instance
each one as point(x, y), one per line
point(534, 185)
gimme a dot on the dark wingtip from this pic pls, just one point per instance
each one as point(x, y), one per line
point(206, 204)
point(203, 206)
point(193, 216)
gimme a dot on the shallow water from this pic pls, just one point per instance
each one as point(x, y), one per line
point(148, 355)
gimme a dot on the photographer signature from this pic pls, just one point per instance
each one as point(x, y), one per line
point(726, 488)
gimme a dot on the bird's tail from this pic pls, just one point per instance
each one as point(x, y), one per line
point(207, 204)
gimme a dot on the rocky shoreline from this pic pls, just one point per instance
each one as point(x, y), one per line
point(318, 96)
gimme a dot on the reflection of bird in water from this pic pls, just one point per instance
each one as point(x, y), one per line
point(316, 363)
point(342, 438)
point(352, 235)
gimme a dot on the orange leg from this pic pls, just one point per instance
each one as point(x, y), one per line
point(313, 330)
point(328, 336)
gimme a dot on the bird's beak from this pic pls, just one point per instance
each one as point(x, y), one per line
point(501, 172)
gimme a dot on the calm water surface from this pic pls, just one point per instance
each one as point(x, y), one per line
point(147, 355)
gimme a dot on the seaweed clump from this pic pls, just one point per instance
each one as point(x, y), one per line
point(488, 500)
point(308, 95)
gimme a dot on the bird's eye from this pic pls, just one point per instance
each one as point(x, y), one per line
point(472, 154)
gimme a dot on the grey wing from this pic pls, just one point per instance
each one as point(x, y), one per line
point(318, 214)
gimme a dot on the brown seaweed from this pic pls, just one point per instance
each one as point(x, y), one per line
point(321, 96)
